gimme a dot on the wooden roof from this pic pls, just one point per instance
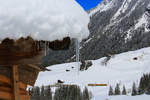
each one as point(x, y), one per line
point(22, 51)
point(27, 54)
point(27, 51)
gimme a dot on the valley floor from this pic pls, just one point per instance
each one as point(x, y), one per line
point(122, 68)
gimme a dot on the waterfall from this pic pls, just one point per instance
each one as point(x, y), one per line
point(78, 54)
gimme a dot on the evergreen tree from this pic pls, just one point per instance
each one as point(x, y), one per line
point(148, 90)
point(42, 91)
point(71, 92)
point(124, 92)
point(86, 94)
point(48, 93)
point(134, 89)
point(75, 93)
point(117, 89)
point(144, 83)
point(61, 93)
point(141, 86)
point(36, 93)
point(42, 96)
point(111, 92)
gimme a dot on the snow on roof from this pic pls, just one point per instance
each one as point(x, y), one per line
point(42, 19)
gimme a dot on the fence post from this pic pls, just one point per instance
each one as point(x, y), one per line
point(16, 83)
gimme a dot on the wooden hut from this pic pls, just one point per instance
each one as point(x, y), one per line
point(20, 55)
point(20, 63)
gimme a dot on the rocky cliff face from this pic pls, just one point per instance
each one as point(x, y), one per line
point(116, 26)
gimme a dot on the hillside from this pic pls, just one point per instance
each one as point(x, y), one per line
point(122, 68)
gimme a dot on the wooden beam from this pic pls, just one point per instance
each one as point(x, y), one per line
point(9, 96)
point(9, 90)
point(16, 83)
point(97, 84)
point(6, 81)
point(7, 60)
point(35, 67)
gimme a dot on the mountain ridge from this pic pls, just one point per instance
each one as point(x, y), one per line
point(120, 28)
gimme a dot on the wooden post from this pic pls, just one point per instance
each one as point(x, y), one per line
point(16, 83)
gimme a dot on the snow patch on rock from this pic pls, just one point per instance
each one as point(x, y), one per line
point(123, 8)
point(103, 6)
point(142, 22)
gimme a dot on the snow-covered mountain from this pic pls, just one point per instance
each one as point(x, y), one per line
point(122, 68)
point(116, 26)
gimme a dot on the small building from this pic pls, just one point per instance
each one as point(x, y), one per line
point(20, 63)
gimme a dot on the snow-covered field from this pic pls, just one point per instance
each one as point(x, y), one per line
point(122, 69)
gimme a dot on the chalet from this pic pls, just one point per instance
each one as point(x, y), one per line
point(20, 64)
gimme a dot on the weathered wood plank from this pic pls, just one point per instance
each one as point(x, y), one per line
point(25, 97)
point(6, 89)
point(27, 51)
point(6, 82)
point(14, 60)
point(15, 83)
point(4, 79)
point(6, 95)
point(27, 74)
point(9, 96)
point(19, 52)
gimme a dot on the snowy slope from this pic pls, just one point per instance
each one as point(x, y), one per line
point(120, 69)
